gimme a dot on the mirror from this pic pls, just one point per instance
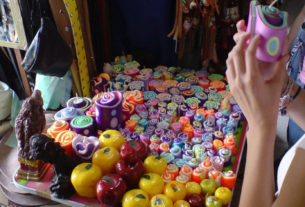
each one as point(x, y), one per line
point(12, 32)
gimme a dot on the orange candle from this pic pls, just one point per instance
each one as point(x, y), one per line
point(135, 97)
point(173, 170)
point(217, 144)
point(219, 85)
point(209, 112)
point(184, 121)
point(57, 126)
point(65, 140)
point(230, 144)
point(189, 130)
point(215, 175)
point(186, 171)
point(199, 174)
point(131, 125)
point(201, 111)
point(228, 179)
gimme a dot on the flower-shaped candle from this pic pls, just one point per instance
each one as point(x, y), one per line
point(84, 147)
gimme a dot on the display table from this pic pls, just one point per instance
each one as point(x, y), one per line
point(42, 188)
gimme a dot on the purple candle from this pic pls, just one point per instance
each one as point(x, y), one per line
point(183, 136)
point(211, 153)
point(167, 140)
point(219, 115)
point(219, 135)
point(207, 136)
point(193, 163)
point(187, 146)
point(178, 142)
point(145, 138)
point(68, 114)
point(221, 123)
point(108, 110)
point(150, 130)
point(83, 125)
point(159, 132)
point(218, 162)
point(198, 132)
point(199, 117)
point(170, 134)
point(196, 140)
point(85, 147)
point(209, 124)
point(190, 114)
point(183, 109)
point(207, 145)
point(153, 114)
point(135, 136)
point(152, 122)
point(226, 154)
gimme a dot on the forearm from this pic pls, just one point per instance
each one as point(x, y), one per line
point(258, 183)
point(296, 110)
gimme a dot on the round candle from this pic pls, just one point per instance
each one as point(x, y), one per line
point(207, 164)
point(167, 177)
point(204, 83)
point(215, 175)
point(164, 147)
point(228, 179)
point(217, 144)
point(182, 179)
point(199, 174)
point(85, 147)
point(186, 171)
point(176, 151)
point(82, 103)
point(218, 135)
point(226, 155)
point(83, 125)
point(131, 124)
point(68, 114)
point(57, 127)
point(218, 162)
point(173, 170)
point(219, 85)
point(184, 121)
point(188, 129)
point(230, 144)
point(65, 140)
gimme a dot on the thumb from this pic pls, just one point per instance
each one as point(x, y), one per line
point(279, 69)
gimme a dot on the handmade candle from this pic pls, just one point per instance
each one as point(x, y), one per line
point(131, 124)
point(230, 143)
point(189, 130)
point(65, 140)
point(217, 144)
point(164, 147)
point(135, 97)
point(218, 135)
point(108, 110)
point(57, 127)
point(83, 125)
point(182, 179)
point(67, 114)
point(199, 174)
point(228, 179)
point(218, 162)
point(184, 120)
point(173, 170)
point(186, 171)
point(84, 147)
point(82, 103)
point(176, 151)
point(167, 177)
point(216, 176)
point(207, 164)
point(226, 155)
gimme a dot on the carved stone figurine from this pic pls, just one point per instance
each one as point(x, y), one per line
point(30, 120)
point(44, 148)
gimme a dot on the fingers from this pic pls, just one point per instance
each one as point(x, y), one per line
point(279, 70)
point(286, 46)
point(241, 28)
point(238, 53)
point(251, 61)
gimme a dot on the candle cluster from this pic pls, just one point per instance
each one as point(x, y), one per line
point(184, 122)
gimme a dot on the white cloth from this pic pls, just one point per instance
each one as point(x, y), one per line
point(286, 161)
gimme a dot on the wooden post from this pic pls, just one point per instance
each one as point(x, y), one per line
point(22, 73)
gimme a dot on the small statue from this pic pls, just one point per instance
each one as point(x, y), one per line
point(44, 148)
point(30, 120)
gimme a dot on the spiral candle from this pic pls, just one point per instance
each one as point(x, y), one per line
point(215, 175)
point(186, 171)
point(218, 162)
point(176, 151)
point(108, 110)
point(228, 179)
point(83, 125)
point(65, 140)
point(226, 154)
point(207, 164)
point(57, 127)
point(173, 170)
point(199, 174)
point(68, 114)
point(230, 144)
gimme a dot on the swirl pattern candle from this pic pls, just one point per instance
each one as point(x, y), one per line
point(176, 151)
point(207, 164)
point(199, 174)
point(83, 125)
point(228, 179)
point(68, 114)
point(226, 155)
point(186, 171)
point(65, 140)
point(215, 175)
point(57, 127)
point(218, 162)
point(173, 170)
point(82, 103)
point(108, 110)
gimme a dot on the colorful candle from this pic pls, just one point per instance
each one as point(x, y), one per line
point(199, 174)
point(85, 147)
point(207, 164)
point(189, 130)
point(65, 140)
point(184, 121)
point(230, 144)
point(218, 135)
point(83, 125)
point(57, 127)
point(217, 144)
point(215, 175)
point(131, 124)
point(173, 170)
point(108, 110)
point(218, 162)
point(228, 179)
point(226, 154)
point(186, 171)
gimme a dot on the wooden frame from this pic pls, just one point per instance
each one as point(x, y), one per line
point(12, 32)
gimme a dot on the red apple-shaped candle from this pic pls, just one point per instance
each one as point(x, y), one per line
point(110, 190)
point(131, 173)
point(196, 200)
point(133, 150)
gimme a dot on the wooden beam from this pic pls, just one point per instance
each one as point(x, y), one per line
point(23, 74)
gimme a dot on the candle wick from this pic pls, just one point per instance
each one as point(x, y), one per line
point(272, 3)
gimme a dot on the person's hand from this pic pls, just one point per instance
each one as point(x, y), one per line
point(241, 29)
point(257, 97)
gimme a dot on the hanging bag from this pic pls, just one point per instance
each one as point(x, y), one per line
point(48, 53)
